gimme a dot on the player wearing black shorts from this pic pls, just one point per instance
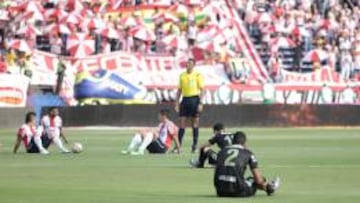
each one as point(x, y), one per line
point(232, 162)
point(34, 142)
point(221, 138)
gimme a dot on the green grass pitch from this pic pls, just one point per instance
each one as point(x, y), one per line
point(316, 165)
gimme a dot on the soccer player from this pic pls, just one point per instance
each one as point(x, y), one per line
point(33, 142)
point(191, 85)
point(157, 140)
point(221, 138)
point(51, 126)
point(231, 164)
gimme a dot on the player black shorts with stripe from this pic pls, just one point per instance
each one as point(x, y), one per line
point(32, 148)
point(189, 107)
point(242, 188)
point(157, 147)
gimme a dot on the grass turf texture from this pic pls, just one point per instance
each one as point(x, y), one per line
point(316, 165)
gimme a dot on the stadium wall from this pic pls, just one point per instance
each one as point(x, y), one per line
point(231, 115)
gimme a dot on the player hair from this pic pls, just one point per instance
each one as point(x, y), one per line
point(28, 116)
point(192, 59)
point(239, 138)
point(52, 108)
point(218, 126)
point(164, 112)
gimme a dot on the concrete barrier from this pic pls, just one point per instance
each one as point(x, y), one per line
point(231, 115)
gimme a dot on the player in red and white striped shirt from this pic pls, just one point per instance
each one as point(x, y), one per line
point(33, 142)
point(157, 140)
point(51, 126)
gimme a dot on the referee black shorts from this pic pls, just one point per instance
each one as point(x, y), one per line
point(189, 107)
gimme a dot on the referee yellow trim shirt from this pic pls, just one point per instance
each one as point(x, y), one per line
point(191, 83)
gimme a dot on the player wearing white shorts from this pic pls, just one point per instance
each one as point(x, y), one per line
point(51, 126)
point(33, 142)
point(157, 140)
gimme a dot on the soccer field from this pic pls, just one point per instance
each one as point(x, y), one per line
point(316, 165)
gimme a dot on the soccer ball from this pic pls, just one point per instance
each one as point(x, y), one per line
point(77, 147)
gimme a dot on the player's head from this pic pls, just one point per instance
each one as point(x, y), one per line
point(190, 64)
point(239, 138)
point(53, 111)
point(163, 114)
point(218, 127)
point(30, 117)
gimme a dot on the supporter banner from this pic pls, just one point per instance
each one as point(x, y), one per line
point(158, 75)
point(13, 90)
point(322, 75)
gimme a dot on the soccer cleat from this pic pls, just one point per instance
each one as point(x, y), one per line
point(44, 152)
point(137, 153)
point(125, 152)
point(272, 186)
point(194, 163)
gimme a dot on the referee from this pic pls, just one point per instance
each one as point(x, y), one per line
point(191, 84)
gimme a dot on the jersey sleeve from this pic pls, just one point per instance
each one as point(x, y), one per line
point(252, 161)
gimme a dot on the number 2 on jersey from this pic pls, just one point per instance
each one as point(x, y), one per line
point(231, 158)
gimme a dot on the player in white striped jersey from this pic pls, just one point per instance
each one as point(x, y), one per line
point(157, 140)
point(51, 126)
point(33, 142)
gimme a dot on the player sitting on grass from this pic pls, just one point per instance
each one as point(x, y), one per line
point(155, 140)
point(51, 126)
point(33, 142)
point(231, 164)
point(221, 138)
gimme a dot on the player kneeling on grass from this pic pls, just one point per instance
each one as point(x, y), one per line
point(231, 164)
point(221, 138)
point(33, 142)
point(155, 140)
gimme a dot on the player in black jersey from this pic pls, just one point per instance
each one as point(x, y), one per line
point(221, 138)
point(231, 165)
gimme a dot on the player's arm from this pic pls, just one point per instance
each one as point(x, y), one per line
point(200, 81)
point(178, 95)
point(259, 180)
point(17, 143)
point(177, 100)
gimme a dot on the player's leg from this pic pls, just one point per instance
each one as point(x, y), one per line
point(184, 114)
point(55, 135)
point(147, 139)
point(39, 144)
point(195, 129)
point(134, 144)
point(268, 187)
point(195, 120)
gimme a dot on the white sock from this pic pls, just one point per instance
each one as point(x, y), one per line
point(146, 141)
point(59, 144)
point(38, 142)
point(135, 142)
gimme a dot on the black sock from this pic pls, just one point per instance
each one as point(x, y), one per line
point(181, 134)
point(195, 137)
point(202, 157)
